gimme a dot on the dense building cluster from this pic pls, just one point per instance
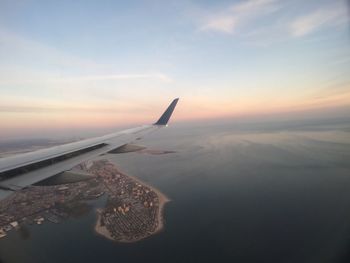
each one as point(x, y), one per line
point(131, 212)
point(37, 204)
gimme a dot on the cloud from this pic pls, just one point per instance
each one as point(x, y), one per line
point(320, 18)
point(264, 22)
point(224, 24)
point(16, 48)
point(228, 20)
point(28, 59)
point(120, 108)
point(11, 77)
point(150, 76)
point(254, 6)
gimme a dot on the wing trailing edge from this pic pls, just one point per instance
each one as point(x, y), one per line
point(22, 170)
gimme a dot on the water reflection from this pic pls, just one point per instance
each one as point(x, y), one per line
point(239, 194)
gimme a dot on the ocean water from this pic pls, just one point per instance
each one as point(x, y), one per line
point(247, 192)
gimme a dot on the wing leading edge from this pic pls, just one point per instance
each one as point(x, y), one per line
point(22, 170)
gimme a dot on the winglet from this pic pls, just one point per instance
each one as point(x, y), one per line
point(163, 120)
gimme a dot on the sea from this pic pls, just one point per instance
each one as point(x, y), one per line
point(274, 192)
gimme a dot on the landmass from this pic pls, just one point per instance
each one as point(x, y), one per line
point(133, 210)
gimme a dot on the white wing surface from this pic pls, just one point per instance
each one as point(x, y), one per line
point(22, 170)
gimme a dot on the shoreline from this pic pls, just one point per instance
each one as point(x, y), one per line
point(163, 200)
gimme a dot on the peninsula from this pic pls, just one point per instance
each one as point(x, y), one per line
point(133, 210)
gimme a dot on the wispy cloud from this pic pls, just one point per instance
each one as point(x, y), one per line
point(152, 76)
point(30, 68)
point(14, 77)
point(17, 48)
point(109, 109)
point(228, 20)
point(222, 23)
point(320, 18)
point(263, 22)
point(254, 6)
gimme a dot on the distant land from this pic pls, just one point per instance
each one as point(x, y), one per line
point(12, 146)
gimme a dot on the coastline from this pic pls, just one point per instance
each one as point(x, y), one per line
point(101, 230)
point(163, 199)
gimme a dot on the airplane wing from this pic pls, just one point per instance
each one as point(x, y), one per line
point(22, 170)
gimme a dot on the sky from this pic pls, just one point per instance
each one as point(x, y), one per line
point(94, 64)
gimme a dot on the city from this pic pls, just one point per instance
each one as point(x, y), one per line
point(133, 211)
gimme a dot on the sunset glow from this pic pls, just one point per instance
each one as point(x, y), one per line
point(116, 64)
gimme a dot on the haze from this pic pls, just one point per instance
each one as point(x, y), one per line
point(102, 64)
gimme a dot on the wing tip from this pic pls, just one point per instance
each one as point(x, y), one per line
point(164, 119)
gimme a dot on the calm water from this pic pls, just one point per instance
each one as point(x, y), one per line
point(276, 192)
